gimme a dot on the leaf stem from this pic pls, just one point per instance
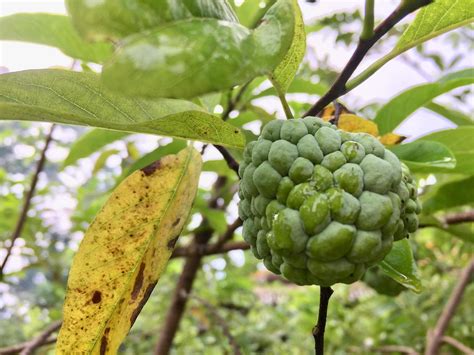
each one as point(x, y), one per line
point(319, 328)
point(286, 107)
point(368, 29)
point(340, 87)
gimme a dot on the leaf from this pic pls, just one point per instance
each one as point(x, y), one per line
point(124, 252)
point(91, 142)
point(171, 148)
point(454, 116)
point(452, 194)
point(102, 159)
point(352, 123)
point(459, 142)
point(399, 108)
point(250, 12)
point(78, 98)
point(298, 85)
point(285, 72)
point(391, 139)
point(52, 30)
point(115, 19)
point(437, 18)
point(196, 56)
point(400, 265)
point(425, 156)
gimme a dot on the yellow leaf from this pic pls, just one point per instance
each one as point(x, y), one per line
point(328, 112)
point(391, 139)
point(352, 123)
point(124, 252)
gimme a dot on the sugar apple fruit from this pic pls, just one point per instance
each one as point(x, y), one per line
point(320, 205)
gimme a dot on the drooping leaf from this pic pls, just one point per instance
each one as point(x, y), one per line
point(52, 30)
point(91, 142)
point(192, 57)
point(124, 252)
point(115, 19)
point(437, 18)
point(425, 156)
point(400, 265)
point(452, 194)
point(285, 72)
point(79, 98)
point(455, 116)
point(171, 148)
point(400, 107)
point(459, 142)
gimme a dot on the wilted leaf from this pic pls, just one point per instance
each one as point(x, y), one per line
point(391, 139)
point(52, 30)
point(91, 142)
point(353, 123)
point(400, 265)
point(115, 19)
point(425, 156)
point(285, 72)
point(124, 252)
point(400, 107)
point(78, 98)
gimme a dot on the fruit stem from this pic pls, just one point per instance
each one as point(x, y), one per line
point(318, 330)
point(286, 107)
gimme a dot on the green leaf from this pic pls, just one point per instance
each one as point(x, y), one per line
point(454, 116)
point(250, 12)
point(171, 148)
point(400, 265)
point(459, 142)
point(399, 108)
point(115, 19)
point(452, 194)
point(192, 57)
point(102, 159)
point(52, 30)
point(298, 85)
point(425, 156)
point(437, 18)
point(91, 142)
point(285, 72)
point(78, 98)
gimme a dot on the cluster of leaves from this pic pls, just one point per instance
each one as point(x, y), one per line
point(175, 68)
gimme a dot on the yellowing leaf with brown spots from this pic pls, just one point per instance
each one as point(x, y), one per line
point(391, 139)
point(124, 252)
point(352, 123)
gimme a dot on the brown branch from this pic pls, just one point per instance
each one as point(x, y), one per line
point(222, 323)
point(460, 217)
point(396, 349)
point(319, 328)
point(27, 202)
point(435, 337)
point(231, 162)
point(339, 87)
point(458, 345)
point(29, 347)
point(186, 279)
point(209, 249)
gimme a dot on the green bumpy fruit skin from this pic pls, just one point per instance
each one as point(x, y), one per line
point(319, 205)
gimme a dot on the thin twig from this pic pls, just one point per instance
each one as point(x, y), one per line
point(319, 328)
point(458, 345)
point(231, 162)
point(396, 349)
point(209, 249)
point(435, 337)
point(40, 339)
point(222, 323)
point(17, 348)
point(27, 202)
point(460, 217)
point(339, 87)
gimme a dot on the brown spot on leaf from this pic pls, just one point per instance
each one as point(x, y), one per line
point(138, 282)
point(140, 305)
point(172, 243)
point(97, 297)
point(175, 223)
point(103, 345)
point(150, 169)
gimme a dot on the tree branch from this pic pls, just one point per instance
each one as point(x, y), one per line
point(339, 87)
point(27, 202)
point(435, 337)
point(460, 217)
point(458, 345)
point(211, 249)
point(231, 162)
point(222, 323)
point(396, 349)
point(319, 328)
